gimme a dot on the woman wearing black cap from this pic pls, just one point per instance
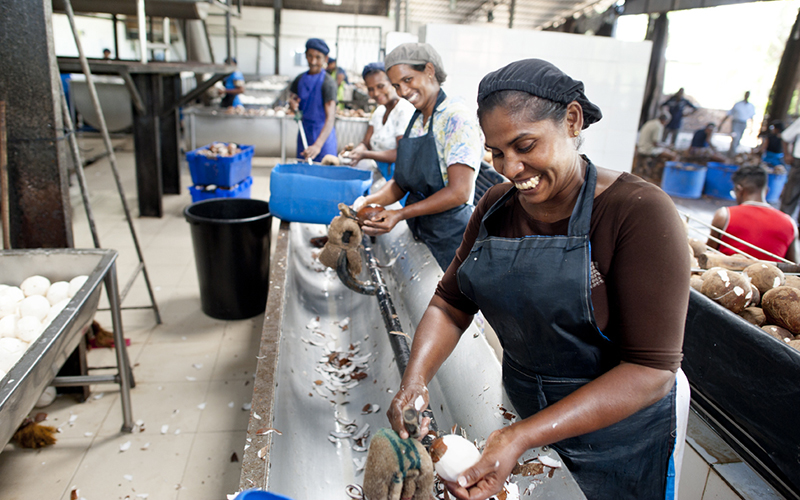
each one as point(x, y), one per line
point(314, 95)
point(437, 158)
point(386, 124)
point(583, 273)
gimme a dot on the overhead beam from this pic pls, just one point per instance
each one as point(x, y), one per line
point(657, 6)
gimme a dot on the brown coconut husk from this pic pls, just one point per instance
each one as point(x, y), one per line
point(32, 434)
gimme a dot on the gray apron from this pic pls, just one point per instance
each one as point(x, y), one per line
point(417, 173)
point(536, 293)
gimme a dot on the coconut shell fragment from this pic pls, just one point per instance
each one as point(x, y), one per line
point(782, 307)
point(754, 315)
point(369, 212)
point(764, 276)
point(729, 289)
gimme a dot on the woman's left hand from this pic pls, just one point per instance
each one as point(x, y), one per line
point(487, 477)
point(356, 155)
point(384, 225)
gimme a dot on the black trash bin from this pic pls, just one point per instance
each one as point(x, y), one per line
point(231, 239)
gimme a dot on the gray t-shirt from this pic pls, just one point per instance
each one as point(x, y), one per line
point(328, 87)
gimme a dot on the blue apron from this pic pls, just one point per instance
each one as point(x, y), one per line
point(536, 293)
point(417, 173)
point(309, 89)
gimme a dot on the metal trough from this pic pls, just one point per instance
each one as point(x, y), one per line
point(24, 383)
point(301, 462)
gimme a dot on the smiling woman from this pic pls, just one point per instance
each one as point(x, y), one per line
point(583, 273)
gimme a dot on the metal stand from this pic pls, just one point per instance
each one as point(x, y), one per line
point(113, 161)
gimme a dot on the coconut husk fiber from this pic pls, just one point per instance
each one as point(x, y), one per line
point(343, 234)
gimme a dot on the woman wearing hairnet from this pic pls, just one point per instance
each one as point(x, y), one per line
point(584, 275)
point(437, 158)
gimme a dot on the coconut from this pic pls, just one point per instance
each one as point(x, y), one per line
point(47, 397)
point(778, 332)
point(452, 455)
point(2, 374)
point(756, 300)
point(10, 298)
point(795, 344)
point(8, 326)
point(35, 285)
point(696, 282)
point(754, 315)
point(29, 329)
point(729, 289)
point(75, 284)
point(698, 247)
point(369, 212)
point(57, 292)
point(11, 349)
point(35, 305)
point(711, 272)
point(782, 307)
point(792, 280)
point(54, 311)
point(764, 276)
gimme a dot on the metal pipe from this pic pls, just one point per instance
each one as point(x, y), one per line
point(166, 35)
point(116, 36)
point(397, 15)
point(123, 363)
point(142, 28)
point(4, 201)
point(277, 5)
point(228, 32)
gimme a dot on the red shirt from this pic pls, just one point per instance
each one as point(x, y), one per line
point(763, 226)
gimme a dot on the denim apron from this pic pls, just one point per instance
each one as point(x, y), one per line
point(417, 173)
point(536, 293)
point(309, 90)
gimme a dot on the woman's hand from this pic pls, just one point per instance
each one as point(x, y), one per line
point(357, 154)
point(311, 151)
point(409, 396)
point(487, 477)
point(389, 219)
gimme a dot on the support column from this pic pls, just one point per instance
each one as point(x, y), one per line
point(277, 6)
point(787, 77)
point(658, 33)
point(146, 136)
point(169, 130)
point(39, 207)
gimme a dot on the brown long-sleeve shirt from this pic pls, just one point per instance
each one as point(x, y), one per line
point(638, 246)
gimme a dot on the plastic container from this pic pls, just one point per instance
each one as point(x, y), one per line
point(301, 192)
point(241, 190)
point(231, 239)
point(775, 183)
point(259, 495)
point(684, 180)
point(223, 171)
point(718, 180)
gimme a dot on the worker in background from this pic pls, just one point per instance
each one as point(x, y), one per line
point(234, 86)
point(106, 54)
point(340, 88)
point(387, 124)
point(790, 195)
point(741, 112)
point(754, 220)
point(314, 96)
point(438, 158)
point(771, 147)
point(583, 273)
point(333, 69)
point(649, 143)
point(676, 105)
point(701, 145)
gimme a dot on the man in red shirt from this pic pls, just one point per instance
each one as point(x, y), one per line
point(754, 220)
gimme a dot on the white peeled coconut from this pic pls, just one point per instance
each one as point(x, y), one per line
point(11, 349)
point(10, 298)
point(35, 285)
point(47, 397)
point(54, 311)
point(75, 284)
point(57, 292)
point(35, 305)
point(452, 455)
point(8, 326)
point(29, 329)
point(2, 374)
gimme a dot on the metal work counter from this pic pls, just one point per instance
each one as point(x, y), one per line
point(301, 462)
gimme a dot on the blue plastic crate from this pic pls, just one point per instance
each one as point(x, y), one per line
point(259, 495)
point(241, 190)
point(718, 180)
point(300, 192)
point(223, 171)
point(683, 180)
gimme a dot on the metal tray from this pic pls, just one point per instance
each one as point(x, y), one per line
point(24, 383)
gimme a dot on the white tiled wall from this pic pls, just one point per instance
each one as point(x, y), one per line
point(613, 72)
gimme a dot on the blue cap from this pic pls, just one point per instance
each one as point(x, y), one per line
point(374, 67)
point(317, 44)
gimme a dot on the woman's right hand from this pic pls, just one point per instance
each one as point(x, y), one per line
point(408, 396)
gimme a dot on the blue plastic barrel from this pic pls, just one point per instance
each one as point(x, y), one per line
point(260, 495)
point(684, 180)
point(775, 183)
point(718, 180)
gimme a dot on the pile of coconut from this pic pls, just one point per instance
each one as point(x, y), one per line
point(27, 310)
point(761, 293)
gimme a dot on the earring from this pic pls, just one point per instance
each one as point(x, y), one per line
point(576, 133)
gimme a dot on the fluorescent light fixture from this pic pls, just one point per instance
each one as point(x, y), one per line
point(332, 2)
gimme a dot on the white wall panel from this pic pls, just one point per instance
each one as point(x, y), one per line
point(614, 73)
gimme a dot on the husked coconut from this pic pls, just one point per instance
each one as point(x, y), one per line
point(75, 284)
point(756, 300)
point(8, 326)
point(35, 285)
point(35, 305)
point(10, 297)
point(698, 247)
point(29, 329)
point(764, 276)
point(711, 272)
point(778, 332)
point(2, 374)
point(54, 311)
point(754, 315)
point(11, 349)
point(792, 280)
point(452, 455)
point(795, 344)
point(782, 307)
point(57, 292)
point(696, 282)
point(729, 289)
